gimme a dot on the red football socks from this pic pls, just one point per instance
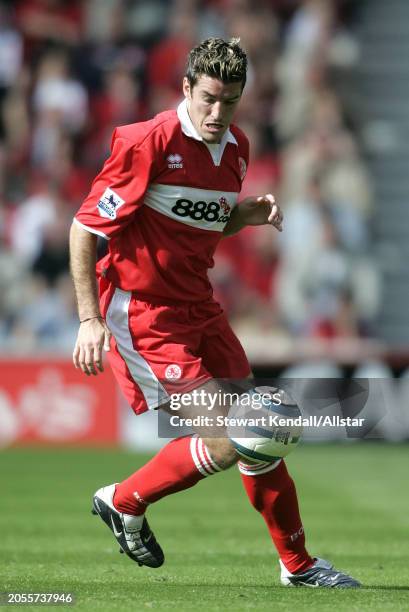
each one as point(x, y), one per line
point(272, 492)
point(179, 465)
point(183, 462)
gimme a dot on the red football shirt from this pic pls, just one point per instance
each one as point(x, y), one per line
point(163, 199)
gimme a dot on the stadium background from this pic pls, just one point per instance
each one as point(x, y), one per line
point(326, 111)
point(326, 115)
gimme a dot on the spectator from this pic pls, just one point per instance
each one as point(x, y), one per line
point(70, 71)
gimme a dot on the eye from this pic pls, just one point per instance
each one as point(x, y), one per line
point(231, 101)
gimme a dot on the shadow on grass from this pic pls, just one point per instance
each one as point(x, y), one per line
point(384, 587)
point(275, 587)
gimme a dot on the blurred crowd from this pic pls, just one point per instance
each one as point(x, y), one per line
point(72, 70)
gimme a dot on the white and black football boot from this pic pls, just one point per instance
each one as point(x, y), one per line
point(132, 533)
point(321, 574)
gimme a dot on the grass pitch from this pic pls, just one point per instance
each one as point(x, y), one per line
point(354, 501)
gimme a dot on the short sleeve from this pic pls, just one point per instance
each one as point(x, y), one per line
point(119, 189)
point(243, 153)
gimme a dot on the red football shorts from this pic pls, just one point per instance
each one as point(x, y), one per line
point(161, 348)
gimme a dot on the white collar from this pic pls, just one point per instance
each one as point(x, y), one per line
point(189, 129)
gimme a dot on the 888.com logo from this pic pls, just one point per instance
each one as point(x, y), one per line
point(211, 212)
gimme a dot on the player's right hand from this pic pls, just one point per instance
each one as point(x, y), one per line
point(93, 337)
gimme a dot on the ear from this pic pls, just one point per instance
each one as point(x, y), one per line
point(187, 91)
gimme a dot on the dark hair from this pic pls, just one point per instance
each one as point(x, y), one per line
point(217, 58)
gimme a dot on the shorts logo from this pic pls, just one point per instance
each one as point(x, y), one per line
point(243, 167)
point(175, 161)
point(109, 204)
point(173, 372)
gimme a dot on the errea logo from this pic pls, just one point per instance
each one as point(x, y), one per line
point(175, 161)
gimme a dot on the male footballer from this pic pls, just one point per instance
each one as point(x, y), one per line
point(164, 199)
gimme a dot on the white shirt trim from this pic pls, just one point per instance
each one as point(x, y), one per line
point(217, 149)
point(91, 230)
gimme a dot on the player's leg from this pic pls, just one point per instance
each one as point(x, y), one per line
point(269, 487)
point(140, 358)
point(179, 465)
point(272, 492)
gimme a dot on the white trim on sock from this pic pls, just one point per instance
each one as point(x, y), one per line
point(257, 469)
point(203, 456)
point(210, 461)
point(194, 452)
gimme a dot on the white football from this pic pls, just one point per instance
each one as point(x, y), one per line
point(265, 424)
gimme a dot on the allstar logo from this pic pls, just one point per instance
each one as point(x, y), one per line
point(174, 161)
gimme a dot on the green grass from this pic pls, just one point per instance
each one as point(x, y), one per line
point(354, 502)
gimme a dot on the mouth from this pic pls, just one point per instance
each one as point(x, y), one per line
point(214, 127)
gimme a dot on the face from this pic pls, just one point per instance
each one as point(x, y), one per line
point(211, 105)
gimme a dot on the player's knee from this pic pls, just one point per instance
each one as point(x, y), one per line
point(222, 452)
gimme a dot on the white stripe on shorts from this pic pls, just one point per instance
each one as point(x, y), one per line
point(118, 322)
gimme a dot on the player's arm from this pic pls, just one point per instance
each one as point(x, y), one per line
point(260, 210)
point(116, 193)
point(93, 334)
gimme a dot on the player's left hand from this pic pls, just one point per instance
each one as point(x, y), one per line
point(262, 210)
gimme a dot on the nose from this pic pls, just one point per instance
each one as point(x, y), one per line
point(217, 111)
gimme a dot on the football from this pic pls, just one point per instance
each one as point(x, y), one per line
point(265, 424)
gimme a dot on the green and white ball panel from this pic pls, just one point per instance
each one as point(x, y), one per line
point(263, 449)
point(265, 437)
point(242, 447)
